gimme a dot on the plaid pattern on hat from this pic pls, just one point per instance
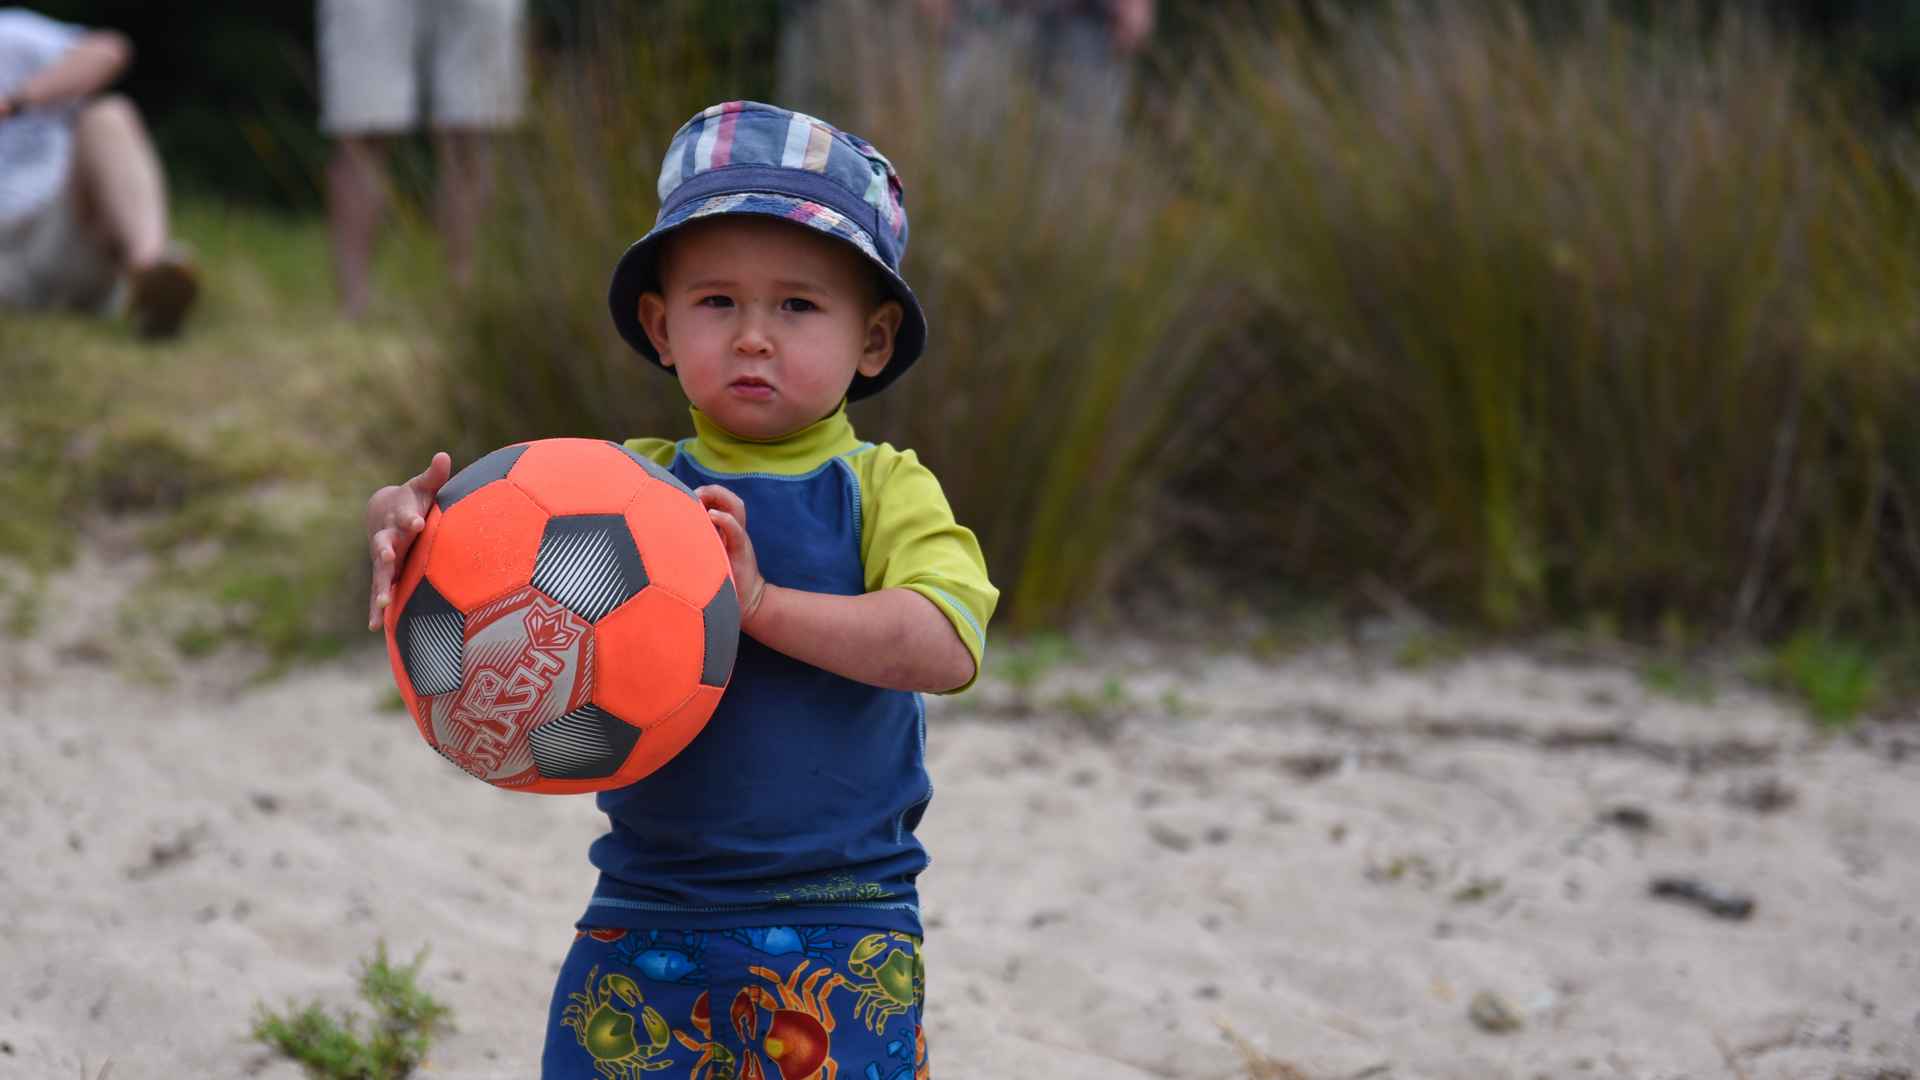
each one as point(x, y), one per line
point(744, 157)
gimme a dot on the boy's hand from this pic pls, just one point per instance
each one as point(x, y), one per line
point(395, 515)
point(729, 516)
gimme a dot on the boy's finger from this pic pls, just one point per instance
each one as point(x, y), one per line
point(433, 476)
point(381, 546)
point(731, 534)
point(716, 497)
point(380, 595)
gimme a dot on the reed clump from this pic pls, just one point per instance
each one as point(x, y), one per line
point(1610, 318)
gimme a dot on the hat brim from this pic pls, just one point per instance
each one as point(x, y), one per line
point(637, 272)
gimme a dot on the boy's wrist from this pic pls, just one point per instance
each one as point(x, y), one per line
point(753, 607)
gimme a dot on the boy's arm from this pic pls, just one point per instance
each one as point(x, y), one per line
point(895, 638)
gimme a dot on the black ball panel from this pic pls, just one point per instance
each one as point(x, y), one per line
point(722, 619)
point(585, 744)
point(589, 564)
point(477, 475)
point(430, 633)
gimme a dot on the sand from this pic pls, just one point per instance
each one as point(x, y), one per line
point(1159, 863)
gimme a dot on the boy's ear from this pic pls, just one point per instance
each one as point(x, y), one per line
point(653, 319)
point(882, 327)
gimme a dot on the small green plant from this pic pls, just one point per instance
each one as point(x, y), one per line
point(405, 1019)
point(24, 607)
point(1838, 679)
point(1112, 700)
point(1024, 665)
point(1478, 889)
point(1675, 679)
point(1424, 649)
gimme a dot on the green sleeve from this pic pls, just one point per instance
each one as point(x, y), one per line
point(658, 451)
point(909, 540)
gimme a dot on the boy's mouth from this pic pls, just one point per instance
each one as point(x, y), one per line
point(751, 386)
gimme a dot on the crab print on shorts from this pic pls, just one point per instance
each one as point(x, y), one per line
point(752, 1003)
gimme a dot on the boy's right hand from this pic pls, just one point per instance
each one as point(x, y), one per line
point(395, 515)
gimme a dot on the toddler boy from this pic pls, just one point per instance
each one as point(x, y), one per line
point(756, 914)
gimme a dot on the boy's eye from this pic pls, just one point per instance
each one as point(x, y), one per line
point(715, 301)
point(794, 303)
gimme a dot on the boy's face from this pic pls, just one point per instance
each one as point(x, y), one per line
point(766, 321)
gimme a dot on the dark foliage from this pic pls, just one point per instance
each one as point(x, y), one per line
point(231, 92)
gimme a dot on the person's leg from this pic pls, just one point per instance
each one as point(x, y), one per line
point(356, 194)
point(476, 62)
point(465, 179)
point(369, 90)
point(120, 182)
point(121, 196)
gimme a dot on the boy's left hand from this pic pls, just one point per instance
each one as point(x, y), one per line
point(729, 516)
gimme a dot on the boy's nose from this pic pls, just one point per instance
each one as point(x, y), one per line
point(752, 339)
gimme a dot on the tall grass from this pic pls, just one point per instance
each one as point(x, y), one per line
point(1619, 320)
point(1612, 319)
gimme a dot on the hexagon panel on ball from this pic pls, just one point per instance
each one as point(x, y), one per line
point(588, 743)
point(430, 638)
point(589, 564)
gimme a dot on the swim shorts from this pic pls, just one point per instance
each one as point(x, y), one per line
point(754, 1003)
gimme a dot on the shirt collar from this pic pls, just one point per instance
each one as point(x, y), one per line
point(719, 450)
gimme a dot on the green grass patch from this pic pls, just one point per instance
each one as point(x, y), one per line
point(238, 457)
point(1677, 679)
point(1026, 662)
point(1838, 679)
point(22, 605)
point(387, 1045)
point(1424, 648)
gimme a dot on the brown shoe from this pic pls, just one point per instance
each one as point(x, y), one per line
point(161, 293)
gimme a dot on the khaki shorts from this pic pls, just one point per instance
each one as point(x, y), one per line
point(52, 259)
point(385, 65)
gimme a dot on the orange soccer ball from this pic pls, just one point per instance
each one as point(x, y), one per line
point(566, 622)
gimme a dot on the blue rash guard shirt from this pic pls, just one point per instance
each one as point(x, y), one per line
point(796, 805)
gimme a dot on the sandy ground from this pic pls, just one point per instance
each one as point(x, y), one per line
point(1328, 862)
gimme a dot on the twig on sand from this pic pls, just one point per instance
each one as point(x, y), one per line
point(1727, 1055)
point(1259, 1065)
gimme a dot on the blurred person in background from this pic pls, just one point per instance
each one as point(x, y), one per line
point(386, 64)
point(1081, 50)
point(83, 202)
point(1079, 53)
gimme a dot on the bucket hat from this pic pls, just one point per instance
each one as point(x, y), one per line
point(746, 157)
